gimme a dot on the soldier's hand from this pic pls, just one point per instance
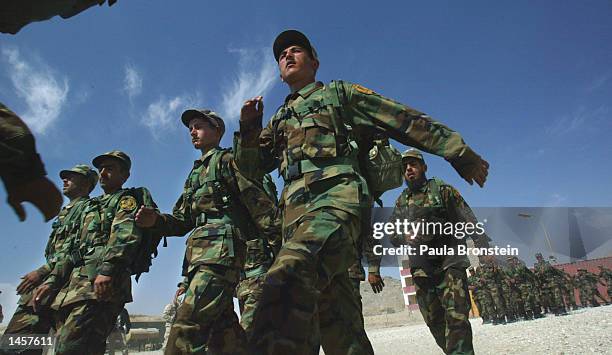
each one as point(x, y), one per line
point(376, 282)
point(41, 192)
point(28, 282)
point(39, 294)
point(103, 287)
point(146, 217)
point(179, 293)
point(471, 167)
point(252, 110)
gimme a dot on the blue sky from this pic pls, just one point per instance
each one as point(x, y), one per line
point(528, 85)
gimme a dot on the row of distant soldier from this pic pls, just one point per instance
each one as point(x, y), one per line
point(508, 294)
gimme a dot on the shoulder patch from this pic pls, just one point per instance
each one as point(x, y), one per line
point(128, 203)
point(362, 89)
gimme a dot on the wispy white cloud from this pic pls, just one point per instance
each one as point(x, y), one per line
point(163, 114)
point(132, 81)
point(579, 119)
point(599, 82)
point(256, 75)
point(44, 93)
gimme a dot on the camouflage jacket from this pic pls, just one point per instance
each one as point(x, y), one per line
point(440, 203)
point(261, 251)
point(606, 275)
point(492, 276)
point(105, 245)
point(219, 206)
point(65, 226)
point(19, 161)
point(586, 279)
point(545, 273)
point(311, 140)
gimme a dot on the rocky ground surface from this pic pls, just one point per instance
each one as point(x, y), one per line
point(587, 331)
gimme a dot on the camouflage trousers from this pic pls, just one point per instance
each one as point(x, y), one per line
point(206, 320)
point(530, 301)
point(587, 296)
point(555, 295)
point(84, 326)
point(499, 301)
point(25, 321)
point(486, 302)
point(515, 303)
point(444, 302)
point(568, 295)
point(249, 293)
point(308, 299)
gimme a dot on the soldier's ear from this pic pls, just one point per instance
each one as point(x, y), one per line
point(424, 168)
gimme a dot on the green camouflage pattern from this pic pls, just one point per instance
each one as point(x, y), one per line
point(64, 227)
point(309, 142)
point(482, 297)
point(108, 241)
point(307, 296)
point(606, 275)
point(435, 201)
point(19, 161)
point(494, 278)
point(586, 283)
point(206, 322)
point(550, 286)
point(223, 209)
point(17, 14)
point(84, 327)
point(524, 279)
point(445, 304)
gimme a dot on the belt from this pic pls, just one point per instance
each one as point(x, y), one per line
point(299, 168)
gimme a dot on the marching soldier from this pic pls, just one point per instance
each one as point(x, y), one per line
point(33, 316)
point(313, 140)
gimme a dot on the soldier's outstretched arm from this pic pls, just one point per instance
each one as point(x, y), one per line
point(22, 170)
point(413, 128)
point(176, 224)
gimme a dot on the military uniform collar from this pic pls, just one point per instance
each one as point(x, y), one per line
point(421, 189)
point(305, 91)
point(106, 196)
point(76, 200)
point(205, 157)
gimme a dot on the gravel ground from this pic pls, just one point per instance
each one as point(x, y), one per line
point(586, 331)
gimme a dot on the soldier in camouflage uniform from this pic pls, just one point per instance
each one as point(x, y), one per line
point(513, 293)
point(78, 184)
point(526, 282)
point(493, 277)
point(221, 208)
point(356, 271)
point(94, 274)
point(606, 275)
point(584, 282)
point(21, 169)
point(259, 257)
point(548, 278)
point(567, 288)
point(482, 300)
point(441, 281)
point(308, 140)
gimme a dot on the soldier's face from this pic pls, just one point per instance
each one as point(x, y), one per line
point(112, 174)
point(295, 64)
point(203, 134)
point(75, 185)
point(415, 169)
